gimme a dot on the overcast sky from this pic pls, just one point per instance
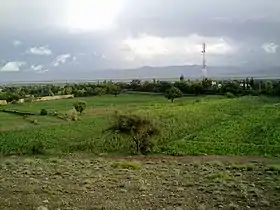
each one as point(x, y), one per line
point(45, 36)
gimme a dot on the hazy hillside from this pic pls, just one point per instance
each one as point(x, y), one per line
point(190, 71)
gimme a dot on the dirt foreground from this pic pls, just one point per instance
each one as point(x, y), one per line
point(128, 183)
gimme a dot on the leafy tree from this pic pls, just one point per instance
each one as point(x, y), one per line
point(99, 91)
point(182, 78)
point(163, 86)
point(173, 93)
point(135, 84)
point(114, 89)
point(138, 128)
point(206, 83)
point(80, 106)
point(268, 85)
point(183, 86)
point(68, 90)
point(197, 88)
point(252, 83)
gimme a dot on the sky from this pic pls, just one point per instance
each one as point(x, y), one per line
point(43, 37)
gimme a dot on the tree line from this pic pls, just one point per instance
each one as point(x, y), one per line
point(247, 86)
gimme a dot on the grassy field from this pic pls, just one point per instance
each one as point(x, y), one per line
point(84, 167)
point(171, 183)
point(190, 126)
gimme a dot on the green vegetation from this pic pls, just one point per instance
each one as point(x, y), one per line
point(80, 106)
point(13, 94)
point(44, 112)
point(173, 93)
point(139, 129)
point(215, 126)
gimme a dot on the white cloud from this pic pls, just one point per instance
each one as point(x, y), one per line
point(42, 50)
point(270, 48)
point(149, 47)
point(17, 43)
point(13, 66)
point(61, 59)
point(39, 69)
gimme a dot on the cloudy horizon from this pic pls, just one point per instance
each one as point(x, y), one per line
point(49, 37)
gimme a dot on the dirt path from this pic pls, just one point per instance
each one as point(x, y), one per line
point(153, 182)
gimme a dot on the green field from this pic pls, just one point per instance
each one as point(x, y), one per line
point(212, 125)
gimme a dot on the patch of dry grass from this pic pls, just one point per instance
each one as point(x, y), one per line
point(127, 165)
point(83, 182)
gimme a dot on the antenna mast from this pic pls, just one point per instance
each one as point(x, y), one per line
point(204, 66)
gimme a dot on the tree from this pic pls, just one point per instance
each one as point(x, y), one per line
point(68, 90)
point(182, 78)
point(138, 128)
point(252, 83)
point(99, 91)
point(268, 85)
point(206, 83)
point(114, 89)
point(173, 93)
point(80, 106)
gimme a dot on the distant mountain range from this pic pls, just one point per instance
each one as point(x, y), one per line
point(146, 72)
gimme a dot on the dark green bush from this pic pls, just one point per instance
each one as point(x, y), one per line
point(80, 106)
point(44, 112)
point(36, 147)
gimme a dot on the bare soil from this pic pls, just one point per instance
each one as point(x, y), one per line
point(154, 182)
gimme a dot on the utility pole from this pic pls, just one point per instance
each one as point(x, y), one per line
point(204, 66)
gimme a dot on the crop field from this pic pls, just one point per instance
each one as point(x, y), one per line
point(205, 125)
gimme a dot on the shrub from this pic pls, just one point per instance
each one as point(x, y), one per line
point(230, 95)
point(37, 147)
point(139, 129)
point(34, 121)
point(44, 112)
point(53, 113)
point(72, 115)
point(173, 93)
point(80, 106)
point(99, 91)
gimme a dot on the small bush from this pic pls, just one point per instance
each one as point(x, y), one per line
point(43, 112)
point(34, 121)
point(72, 115)
point(53, 113)
point(139, 129)
point(127, 165)
point(221, 176)
point(230, 95)
point(80, 106)
point(37, 148)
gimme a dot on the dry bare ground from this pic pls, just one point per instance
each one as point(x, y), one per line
point(155, 182)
